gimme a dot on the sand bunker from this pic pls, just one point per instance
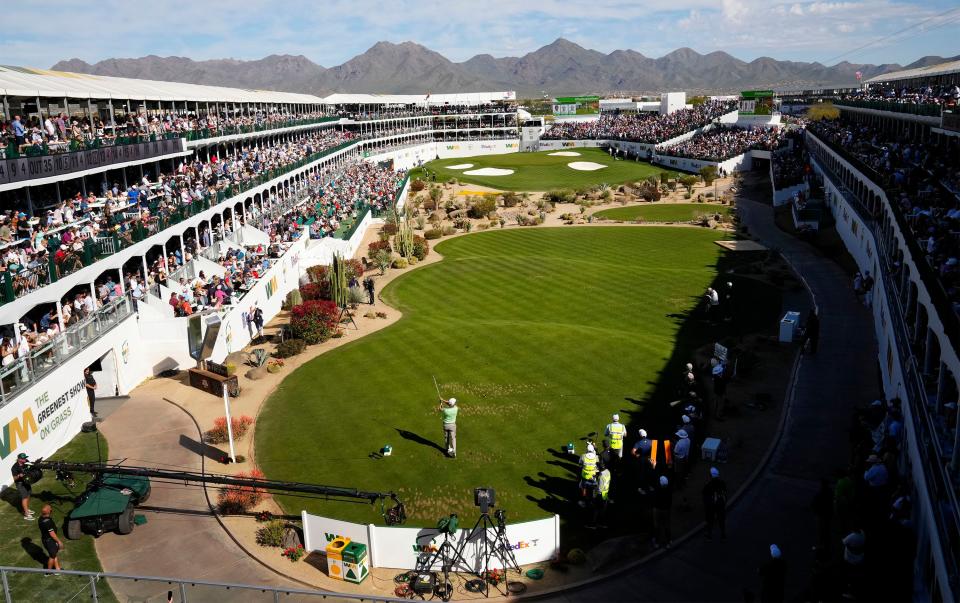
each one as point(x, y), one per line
point(460, 166)
point(586, 166)
point(565, 154)
point(490, 172)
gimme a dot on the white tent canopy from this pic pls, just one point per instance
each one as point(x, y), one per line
point(31, 83)
point(919, 72)
point(18, 81)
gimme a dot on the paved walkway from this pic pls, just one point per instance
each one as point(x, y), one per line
point(194, 545)
point(775, 508)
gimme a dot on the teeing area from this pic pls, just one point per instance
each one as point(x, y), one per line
point(540, 334)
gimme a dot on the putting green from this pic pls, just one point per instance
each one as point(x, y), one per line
point(542, 171)
point(664, 212)
point(540, 334)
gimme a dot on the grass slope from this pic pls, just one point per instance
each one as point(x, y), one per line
point(20, 540)
point(540, 334)
point(663, 212)
point(542, 171)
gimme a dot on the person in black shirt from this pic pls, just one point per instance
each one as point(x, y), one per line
point(715, 504)
point(48, 536)
point(258, 321)
point(369, 287)
point(23, 485)
point(91, 386)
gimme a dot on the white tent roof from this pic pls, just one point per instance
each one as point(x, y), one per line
point(465, 98)
point(43, 83)
point(909, 74)
point(22, 81)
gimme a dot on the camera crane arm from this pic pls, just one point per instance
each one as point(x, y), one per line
point(273, 486)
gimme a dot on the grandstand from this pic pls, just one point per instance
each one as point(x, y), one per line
point(120, 195)
point(128, 206)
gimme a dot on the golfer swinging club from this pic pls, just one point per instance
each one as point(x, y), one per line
point(448, 410)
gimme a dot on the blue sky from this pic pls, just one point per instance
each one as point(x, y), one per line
point(333, 31)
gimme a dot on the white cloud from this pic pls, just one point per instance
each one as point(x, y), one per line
point(333, 31)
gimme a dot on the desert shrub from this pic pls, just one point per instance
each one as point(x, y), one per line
point(510, 199)
point(672, 185)
point(421, 222)
point(483, 226)
point(607, 195)
point(376, 246)
point(687, 196)
point(688, 181)
point(272, 533)
point(664, 177)
point(389, 229)
point(448, 230)
point(293, 298)
point(483, 207)
point(218, 434)
point(240, 499)
point(708, 174)
point(382, 260)
point(355, 295)
point(314, 291)
point(289, 347)
point(433, 233)
point(318, 274)
point(314, 321)
point(418, 185)
point(353, 269)
point(400, 263)
point(564, 195)
point(421, 248)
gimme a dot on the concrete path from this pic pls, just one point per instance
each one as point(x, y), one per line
point(194, 545)
point(814, 444)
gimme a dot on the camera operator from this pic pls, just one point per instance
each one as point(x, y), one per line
point(369, 288)
point(21, 479)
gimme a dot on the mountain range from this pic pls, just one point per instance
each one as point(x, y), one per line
point(561, 67)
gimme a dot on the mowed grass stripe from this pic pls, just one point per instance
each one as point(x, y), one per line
point(664, 212)
point(539, 348)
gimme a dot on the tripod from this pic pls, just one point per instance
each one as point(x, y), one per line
point(491, 546)
point(447, 554)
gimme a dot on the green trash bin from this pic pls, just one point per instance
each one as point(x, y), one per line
point(356, 566)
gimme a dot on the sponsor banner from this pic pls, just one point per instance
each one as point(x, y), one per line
point(400, 548)
point(318, 532)
point(29, 168)
point(40, 421)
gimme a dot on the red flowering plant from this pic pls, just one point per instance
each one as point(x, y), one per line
point(240, 425)
point(315, 321)
point(240, 499)
point(294, 553)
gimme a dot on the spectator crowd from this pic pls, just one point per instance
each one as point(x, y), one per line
point(922, 181)
point(790, 164)
point(945, 96)
point(722, 143)
point(56, 133)
point(649, 128)
point(65, 229)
